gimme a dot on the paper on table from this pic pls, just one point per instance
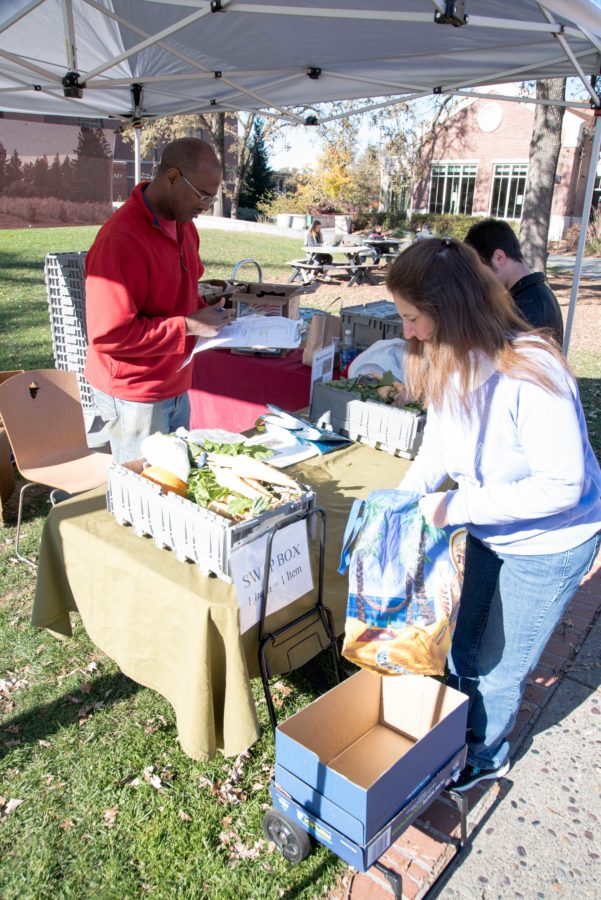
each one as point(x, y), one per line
point(253, 331)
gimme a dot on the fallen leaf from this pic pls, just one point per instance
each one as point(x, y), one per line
point(10, 806)
point(44, 744)
point(152, 779)
point(184, 816)
point(85, 688)
point(13, 729)
point(110, 815)
point(66, 825)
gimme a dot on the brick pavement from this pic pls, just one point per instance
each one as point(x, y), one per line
point(427, 847)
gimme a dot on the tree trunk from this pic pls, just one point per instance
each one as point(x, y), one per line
point(545, 145)
point(218, 135)
point(242, 161)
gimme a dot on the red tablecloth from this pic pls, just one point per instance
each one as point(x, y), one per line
point(230, 391)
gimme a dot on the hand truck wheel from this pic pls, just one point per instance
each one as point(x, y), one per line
point(290, 839)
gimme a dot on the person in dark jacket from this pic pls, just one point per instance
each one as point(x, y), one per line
point(497, 246)
point(314, 239)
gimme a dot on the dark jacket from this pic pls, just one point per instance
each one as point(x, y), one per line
point(538, 304)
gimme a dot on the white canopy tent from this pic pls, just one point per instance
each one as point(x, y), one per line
point(131, 59)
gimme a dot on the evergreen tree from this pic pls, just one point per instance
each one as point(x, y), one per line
point(13, 170)
point(40, 176)
point(258, 181)
point(67, 179)
point(2, 167)
point(92, 168)
point(55, 179)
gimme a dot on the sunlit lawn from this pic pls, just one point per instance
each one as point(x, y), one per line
point(75, 733)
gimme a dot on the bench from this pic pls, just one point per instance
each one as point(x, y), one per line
point(305, 271)
point(360, 273)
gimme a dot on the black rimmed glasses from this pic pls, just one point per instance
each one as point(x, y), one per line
point(202, 195)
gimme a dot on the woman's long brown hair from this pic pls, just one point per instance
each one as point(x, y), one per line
point(472, 311)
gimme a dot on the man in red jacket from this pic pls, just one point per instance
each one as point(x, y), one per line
point(142, 304)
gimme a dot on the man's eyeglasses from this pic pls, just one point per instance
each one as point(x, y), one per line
point(202, 195)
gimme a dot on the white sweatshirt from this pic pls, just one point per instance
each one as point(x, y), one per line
point(528, 480)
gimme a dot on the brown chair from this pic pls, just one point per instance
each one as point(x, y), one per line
point(44, 421)
point(7, 474)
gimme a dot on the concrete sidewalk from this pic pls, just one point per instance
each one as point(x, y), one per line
point(536, 833)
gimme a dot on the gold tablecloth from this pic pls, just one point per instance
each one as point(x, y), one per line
point(172, 629)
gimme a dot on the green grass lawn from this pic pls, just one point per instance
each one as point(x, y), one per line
point(81, 744)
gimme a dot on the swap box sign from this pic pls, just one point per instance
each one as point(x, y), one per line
point(290, 573)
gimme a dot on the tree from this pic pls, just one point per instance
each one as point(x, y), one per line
point(40, 176)
point(55, 179)
point(545, 145)
point(258, 179)
point(92, 168)
point(2, 166)
point(13, 170)
point(229, 134)
point(67, 178)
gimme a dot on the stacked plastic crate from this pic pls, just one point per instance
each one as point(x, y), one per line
point(64, 274)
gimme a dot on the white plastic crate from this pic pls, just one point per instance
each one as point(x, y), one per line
point(390, 428)
point(193, 532)
point(371, 322)
point(64, 274)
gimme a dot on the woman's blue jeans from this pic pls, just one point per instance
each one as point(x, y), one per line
point(510, 606)
point(128, 422)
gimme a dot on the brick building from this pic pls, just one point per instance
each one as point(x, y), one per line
point(476, 164)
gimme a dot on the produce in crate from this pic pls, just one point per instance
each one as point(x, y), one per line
point(227, 478)
point(383, 388)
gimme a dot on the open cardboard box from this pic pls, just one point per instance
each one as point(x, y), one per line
point(355, 756)
point(264, 298)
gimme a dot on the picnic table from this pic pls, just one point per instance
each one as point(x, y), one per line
point(355, 265)
point(385, 248)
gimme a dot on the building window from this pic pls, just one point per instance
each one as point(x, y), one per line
point(508, 186)
point(596, 204)
point(89, 123)
point(452, 188)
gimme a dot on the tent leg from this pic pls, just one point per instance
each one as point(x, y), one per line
point(137, 173)
point(586, 210)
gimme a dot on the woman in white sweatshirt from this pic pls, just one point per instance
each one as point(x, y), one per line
point(506, 423)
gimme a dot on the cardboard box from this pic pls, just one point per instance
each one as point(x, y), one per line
point(363, 856)
point(355, 756)
point(214, 288)
point(270, 299)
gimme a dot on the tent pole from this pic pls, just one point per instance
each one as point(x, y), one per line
point(137, 173)
point(586, 210)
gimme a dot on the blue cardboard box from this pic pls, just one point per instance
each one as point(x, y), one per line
point(363, 856)
point(355, 756)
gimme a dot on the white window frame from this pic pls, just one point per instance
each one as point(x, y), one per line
point(513, 163)
point(453, 162)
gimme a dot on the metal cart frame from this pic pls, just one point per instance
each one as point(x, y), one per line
point(317, 615)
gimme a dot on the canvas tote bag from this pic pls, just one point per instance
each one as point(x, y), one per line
point(404, 585)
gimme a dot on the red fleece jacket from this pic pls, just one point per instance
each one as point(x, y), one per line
point(140, 283)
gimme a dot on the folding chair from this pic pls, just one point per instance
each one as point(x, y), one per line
point(44, 421)
point(7, 475)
